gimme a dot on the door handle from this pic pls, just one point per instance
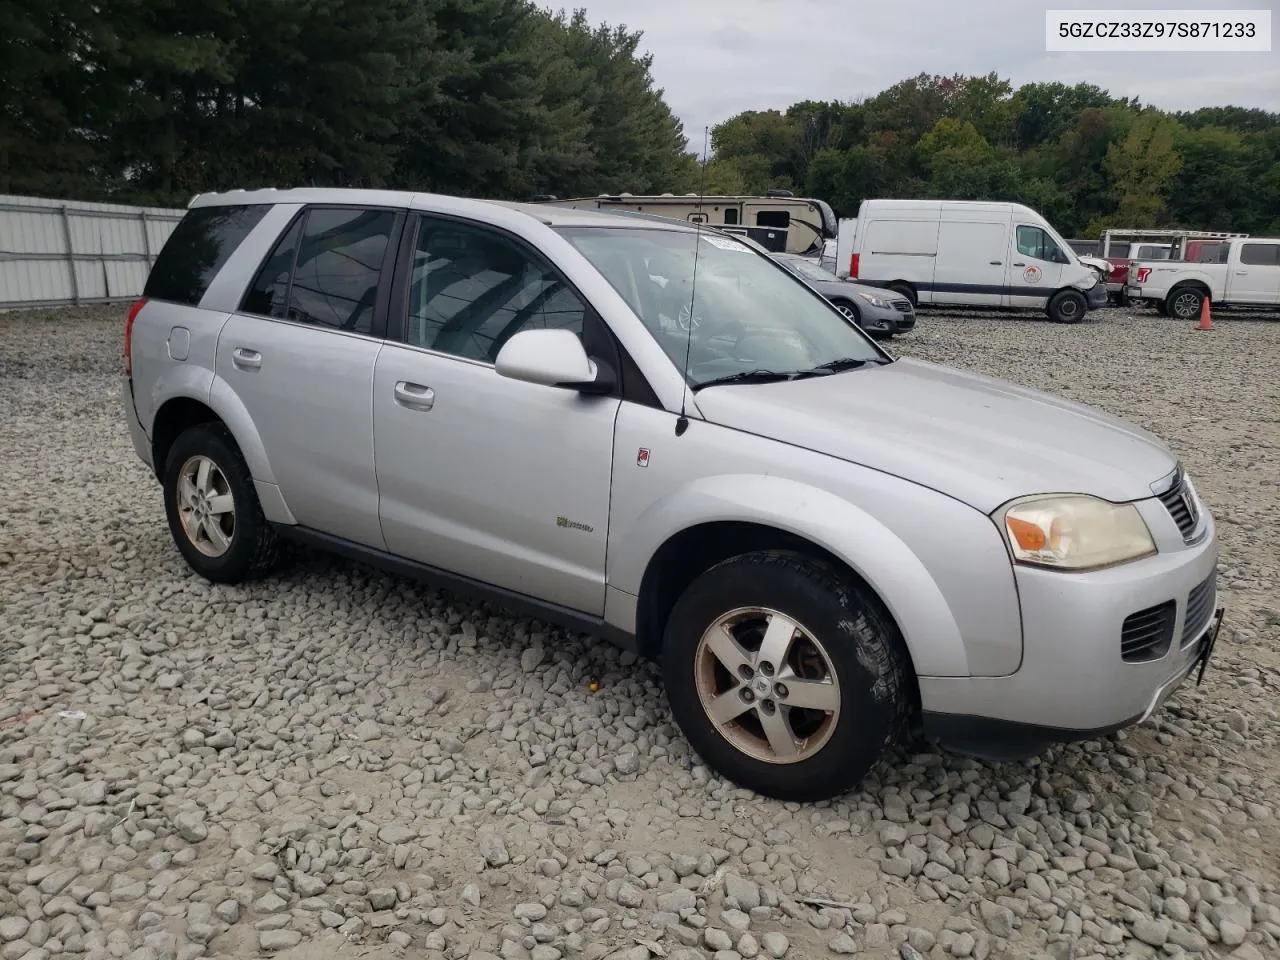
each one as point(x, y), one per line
point(1019, 264)
point(414, 395)
point(1242, 273)
point(996, 263)
point(244, 357)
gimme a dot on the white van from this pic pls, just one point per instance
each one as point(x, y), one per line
point(971, 253)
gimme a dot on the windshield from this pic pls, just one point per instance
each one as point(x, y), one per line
point(808, 269)
point(749, 315)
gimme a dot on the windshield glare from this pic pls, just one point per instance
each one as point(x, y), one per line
point(749, 314)
point(806, 268)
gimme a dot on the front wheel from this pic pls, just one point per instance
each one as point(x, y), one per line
point(213, 510)
point(849, 310)
point(1068, 306)
point(786, 677)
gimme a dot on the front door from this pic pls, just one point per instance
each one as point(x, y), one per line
point(498, 480)
point(299, 355)
point(1036, 268)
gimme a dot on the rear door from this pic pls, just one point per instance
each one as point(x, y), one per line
point(971, 263)
point(1255, 277)
point(1036, 268)
point(299, 355)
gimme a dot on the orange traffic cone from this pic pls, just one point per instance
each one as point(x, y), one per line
point(1206, 322)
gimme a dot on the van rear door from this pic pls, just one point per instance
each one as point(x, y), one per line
point(972, 262)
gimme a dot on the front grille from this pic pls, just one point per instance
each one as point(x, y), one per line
point(1146, 635)
point(1199, 609)
point(902, 306)
point(1181, 506)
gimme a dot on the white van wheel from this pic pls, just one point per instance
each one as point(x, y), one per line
point(903, 289)
point(1068, 306)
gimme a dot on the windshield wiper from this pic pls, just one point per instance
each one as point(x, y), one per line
point(844, 363)
point(746, 376)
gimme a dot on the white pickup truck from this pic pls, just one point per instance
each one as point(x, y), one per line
point(1247, 274)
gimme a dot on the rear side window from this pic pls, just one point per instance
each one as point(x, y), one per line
point(1260, 254)
point(197, 249)
point(325, 270)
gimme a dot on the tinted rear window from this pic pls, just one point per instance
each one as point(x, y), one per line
point(196, 250)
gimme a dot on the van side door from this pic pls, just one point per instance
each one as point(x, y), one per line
point(1035, 268)
point(972, 262)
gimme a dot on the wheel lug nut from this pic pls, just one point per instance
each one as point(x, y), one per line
point(767, 669)
point(747, 695)
point(781, 690)
point(769, 706)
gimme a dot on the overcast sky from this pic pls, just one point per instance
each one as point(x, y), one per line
point(716, 58)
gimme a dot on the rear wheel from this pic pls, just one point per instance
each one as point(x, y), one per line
point(213, 510)
point(1184, 303)
point(903, 289)
point(786, 677)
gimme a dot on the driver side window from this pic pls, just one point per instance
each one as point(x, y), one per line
point(472, 290)
point(1034, 242)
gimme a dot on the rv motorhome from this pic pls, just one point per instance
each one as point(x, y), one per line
point(779, 221)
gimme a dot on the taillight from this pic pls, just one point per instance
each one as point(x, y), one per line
point(128, 334)
point(1143, 273)
point(853, 266)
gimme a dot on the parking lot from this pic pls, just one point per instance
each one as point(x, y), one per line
point(340, 763)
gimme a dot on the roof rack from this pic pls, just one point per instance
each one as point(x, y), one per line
point(1173, 232)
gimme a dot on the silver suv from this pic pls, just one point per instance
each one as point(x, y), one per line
point(826, 548)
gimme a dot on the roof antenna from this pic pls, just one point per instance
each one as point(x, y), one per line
point(682, 423)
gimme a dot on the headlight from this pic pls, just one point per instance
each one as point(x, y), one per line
point(1074, 532)
point(875, 301)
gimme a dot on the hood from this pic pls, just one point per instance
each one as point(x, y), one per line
point(978, 439)
point(836, 287)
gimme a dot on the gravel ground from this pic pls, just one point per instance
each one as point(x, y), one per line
point(339, 763)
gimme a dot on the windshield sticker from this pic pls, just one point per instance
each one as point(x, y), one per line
point(724, 244)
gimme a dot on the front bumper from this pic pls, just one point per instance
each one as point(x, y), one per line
point(898, 318)
point(1073, 682)
point(1097, 296)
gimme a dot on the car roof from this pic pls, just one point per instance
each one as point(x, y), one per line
point(549, 214)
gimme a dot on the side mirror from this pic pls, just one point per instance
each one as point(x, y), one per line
point(554, 358)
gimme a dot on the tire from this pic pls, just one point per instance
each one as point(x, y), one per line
point(904, 290)
point(1184, 303)
point(850, 310)
point(250, 549)
point(847, 647)
point(1068, 306)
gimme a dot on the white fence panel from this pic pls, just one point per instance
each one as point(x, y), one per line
point(59, 252)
